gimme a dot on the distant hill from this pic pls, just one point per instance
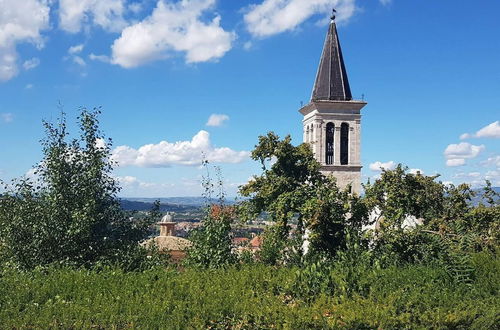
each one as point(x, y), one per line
point(186, 204)
point(477, 198)
point(130, 205)
point(169, 204)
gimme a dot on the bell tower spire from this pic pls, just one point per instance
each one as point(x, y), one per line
point(331, 81)
point(332, 119)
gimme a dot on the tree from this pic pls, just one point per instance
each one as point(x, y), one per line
point(282, 188)
point(292, 188)
point(212, 245)
point(398, 194)
point(331, 216)
point(451, 224)
point(70, 214)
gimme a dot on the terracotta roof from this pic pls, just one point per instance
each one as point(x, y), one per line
point(240, 240)
point(256, 242)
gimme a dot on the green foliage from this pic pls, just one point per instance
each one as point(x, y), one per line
point(398, 194)
point(329, 214)
point(253, 297)
point(292, 189)
point(451, 227)
point(282, 189)
point(70, 213)
point(278, 251)
point(212, 246)
point(211, 243)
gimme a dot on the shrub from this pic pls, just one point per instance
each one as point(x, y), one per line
point(212, 245)
point(69, 214)
point(252, 297)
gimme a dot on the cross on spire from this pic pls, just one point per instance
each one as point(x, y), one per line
point(334, 12)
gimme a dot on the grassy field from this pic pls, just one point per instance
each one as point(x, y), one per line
point(250, 297)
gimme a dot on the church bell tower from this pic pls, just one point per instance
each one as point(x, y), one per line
point(332, 119)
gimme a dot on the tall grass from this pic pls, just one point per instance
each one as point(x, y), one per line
point(253, 296)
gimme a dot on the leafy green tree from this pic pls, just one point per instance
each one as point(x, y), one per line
point(489, 196)
point(70, 214)
point(212, 245)
point(289, 173)
point(399, 194)
point(331, 215)
point(452, 225)
point(292, 189)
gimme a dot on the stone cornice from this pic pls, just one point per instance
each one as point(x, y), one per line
point(341, 168)
point(332, 106)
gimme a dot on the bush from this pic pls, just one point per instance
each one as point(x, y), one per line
point(252, 296)
point(70, 214)
point(212, 245)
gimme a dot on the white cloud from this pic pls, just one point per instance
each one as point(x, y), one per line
point(100, 58)
point(134, 184)
point(493, 176)
point(276, 16)
point(75, 49)
point(127, 180)
point(463, 150)
point(490, 131)
point(17, 26)
point(217, 120)
point(73, 52)
point(7, 117)
point(466, 136)
point(416, 171)
point(78, 60)
point(247, 45)
point(173, 27)
point(385, 2)
point(456, 154)
point(455, 162)
point(165, 154)
point(492, 161)
point(31, 63)
point(477, 179)
point(108, 14)
point(379, 166)
point(135, 187)
point(135, 7)
point(100, 143)
point(29, 86)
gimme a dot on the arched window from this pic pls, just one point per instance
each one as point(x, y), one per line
point(330, 133)
point(307, 134)
point(344, 144)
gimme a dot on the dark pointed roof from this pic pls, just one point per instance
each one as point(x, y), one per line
point(331, 81)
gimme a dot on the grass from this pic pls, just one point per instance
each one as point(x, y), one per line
point(248, 297)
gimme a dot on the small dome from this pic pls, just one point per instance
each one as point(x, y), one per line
point(167, 218)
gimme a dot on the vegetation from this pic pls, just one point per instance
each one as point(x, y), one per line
point(252, 297)
point(411, 253)
point(212, 242)
point(291, 187)
point(69, 214)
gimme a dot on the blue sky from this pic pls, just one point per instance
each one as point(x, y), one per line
point(430, 71)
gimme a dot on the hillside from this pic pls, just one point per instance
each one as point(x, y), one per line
point(168, 204)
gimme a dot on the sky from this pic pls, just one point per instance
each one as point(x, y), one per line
point(178, 79)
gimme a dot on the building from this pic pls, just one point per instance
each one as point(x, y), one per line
point(167, 242)
point(332, 119)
